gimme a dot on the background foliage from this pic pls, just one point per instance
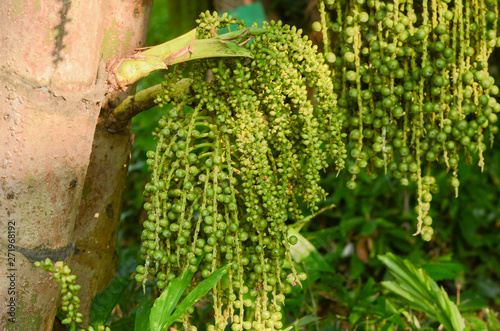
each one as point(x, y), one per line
point(340, 247)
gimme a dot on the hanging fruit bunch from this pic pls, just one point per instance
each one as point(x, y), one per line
point(413, 85)
point(236, 157)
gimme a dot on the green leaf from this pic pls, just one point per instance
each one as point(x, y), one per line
point(304, 251)
point(493, 322)
point(389, 313)
point(181, 49)
point(421, 292)
point(323, 237)
point(389, 306)
point(382, 222)
point(305, 320)
point(196, 294)
point(142, 316)
point(413, 300)
point(472, 304)
point(361, 305)
point(348, 224)
point(443, 270)
point(475, 323)
point(488, 288)
point(105, 302)
point(366, 292)
point(354, 316)
point(337, 282)
point(368, 228)
point(165, 304)
point(357, 267)
point(410, 279)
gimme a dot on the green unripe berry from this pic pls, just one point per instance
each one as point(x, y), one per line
point(440, 29)
point(316, 26)
point(330, 57)
point(349, 57)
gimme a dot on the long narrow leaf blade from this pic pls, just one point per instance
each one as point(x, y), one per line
point(406, 274)
point(142, 316)
point(104, 303)
point(165, 304)
point(196, 294)
point(422, 293)
point(181, 49)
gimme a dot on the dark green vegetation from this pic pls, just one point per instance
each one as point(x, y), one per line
point(352, 251)
point(414, 86)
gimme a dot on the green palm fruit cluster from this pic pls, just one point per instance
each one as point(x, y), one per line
point(413, 85)
point(69, 289)
point(238, 155)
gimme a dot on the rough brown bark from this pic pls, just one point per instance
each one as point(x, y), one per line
point(50, 99)
point(95, 260)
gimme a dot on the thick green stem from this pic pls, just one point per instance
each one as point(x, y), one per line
point(141, 101)
point(180, 49)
